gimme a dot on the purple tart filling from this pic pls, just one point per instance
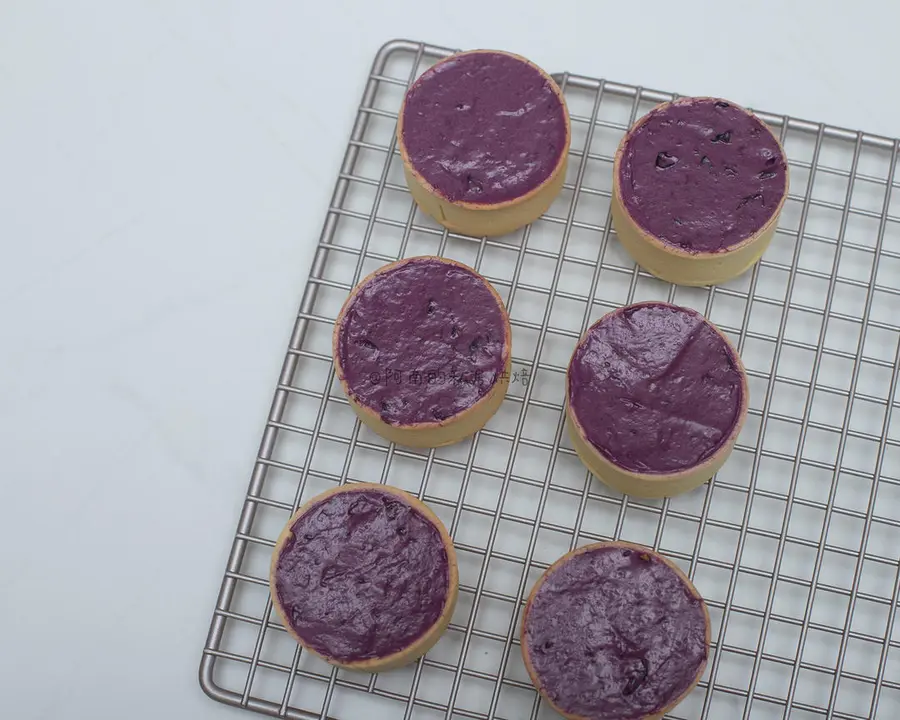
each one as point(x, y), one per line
point(702, 174)
point(655, 388)
point(422, 342)
point(363, 576)
point(615, 634)
point(484, 128)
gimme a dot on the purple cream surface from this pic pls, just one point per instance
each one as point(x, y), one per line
point(484, 128)
point(615, 634)
point(702, 175)
point(422, 342)
point(655, 388)
point(363, 576)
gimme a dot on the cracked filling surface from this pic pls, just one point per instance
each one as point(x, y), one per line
point(655, 388)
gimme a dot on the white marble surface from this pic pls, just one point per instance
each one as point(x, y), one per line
point(164, 170)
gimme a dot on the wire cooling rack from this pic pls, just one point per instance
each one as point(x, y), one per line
point(795, 543)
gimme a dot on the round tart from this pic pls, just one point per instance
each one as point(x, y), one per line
point(698, 186)
point(656, 397)
point(365, 576)
point(422, 349)
point(615, 631)
point(484, 137)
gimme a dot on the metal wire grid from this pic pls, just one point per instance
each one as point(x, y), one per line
point(795, 544)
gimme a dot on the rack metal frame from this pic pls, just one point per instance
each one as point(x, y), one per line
point(795, 544)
